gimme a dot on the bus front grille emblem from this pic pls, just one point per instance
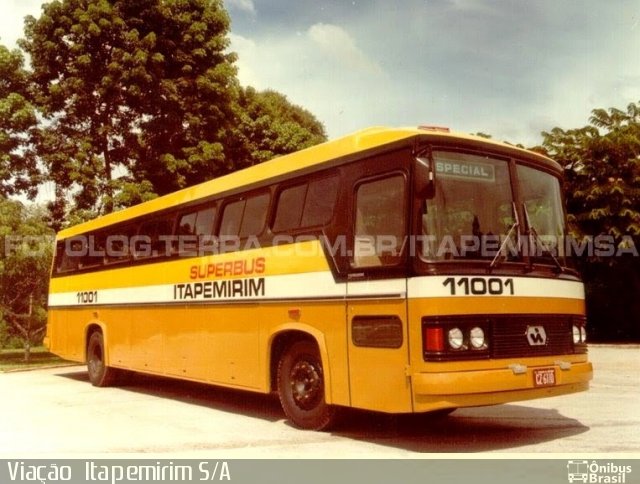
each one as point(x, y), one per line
point(536, 335)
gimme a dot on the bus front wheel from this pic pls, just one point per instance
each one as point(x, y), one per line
point(100, 375)
point(301, 387)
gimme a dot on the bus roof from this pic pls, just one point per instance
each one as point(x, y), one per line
point(359, 141)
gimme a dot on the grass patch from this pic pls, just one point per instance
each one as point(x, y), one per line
point(40, 357)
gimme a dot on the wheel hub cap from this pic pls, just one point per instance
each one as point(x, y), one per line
point(306, 385)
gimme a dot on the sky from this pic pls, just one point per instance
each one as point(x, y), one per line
point(508, 68)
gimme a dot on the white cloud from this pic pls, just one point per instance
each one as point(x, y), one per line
point(506, 68)
point(472, 5)
point(321, 69)
point(242, 5)
point(246, 50)
point(336, 42)
point(12, 13)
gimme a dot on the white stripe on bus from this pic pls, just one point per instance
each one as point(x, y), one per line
point(321, 285)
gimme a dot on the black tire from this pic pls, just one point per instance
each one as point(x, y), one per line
point(301, 387)
point(100, 375)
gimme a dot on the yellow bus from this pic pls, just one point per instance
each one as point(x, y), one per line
point(396, 269)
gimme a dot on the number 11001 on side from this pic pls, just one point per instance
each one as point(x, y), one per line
point(478, 286)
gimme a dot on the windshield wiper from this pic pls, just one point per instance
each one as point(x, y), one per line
point(515, 226)
point(533, 232)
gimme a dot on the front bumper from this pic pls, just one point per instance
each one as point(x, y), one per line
point(436, 390)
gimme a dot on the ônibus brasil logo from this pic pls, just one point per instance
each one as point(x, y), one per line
point(596, 472)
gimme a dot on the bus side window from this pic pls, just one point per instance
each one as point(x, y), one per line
point(154, 238)
point(231, 219)
point(95, 255)
point(380, 222)
point(306, 205)
point(255, 215)
point(320, 202)
point(118, 246)
point(204, 221)
point(289, 209)
point(187, 224)
point(195, 233)
point(66, 255)
point(244, 218)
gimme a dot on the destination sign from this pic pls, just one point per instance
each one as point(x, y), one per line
point(465, 170)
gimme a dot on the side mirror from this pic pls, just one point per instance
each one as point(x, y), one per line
point(424, 179)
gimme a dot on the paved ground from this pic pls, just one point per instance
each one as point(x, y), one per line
point(56, 411)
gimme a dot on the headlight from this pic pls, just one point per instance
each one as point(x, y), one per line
point(477, 338)
point(456, 338)
point(583, 334)
point(576, 335)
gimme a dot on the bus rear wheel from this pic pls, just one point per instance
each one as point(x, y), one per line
point(301, 387)
point(100, 375)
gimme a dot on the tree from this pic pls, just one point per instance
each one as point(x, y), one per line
point(18, 168)
point(269, 126)
point(190, 116)
point(25, 260)
point(137, 96)
point(603, 171)
point(602, 186)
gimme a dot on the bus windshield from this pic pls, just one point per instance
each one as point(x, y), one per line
point(472, 215)
point(544, 212)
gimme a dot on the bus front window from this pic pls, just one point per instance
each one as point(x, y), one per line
point(540, 194)
point(472, 210)
point(471, 215)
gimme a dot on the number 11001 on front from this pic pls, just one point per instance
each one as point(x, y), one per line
point(479, 286)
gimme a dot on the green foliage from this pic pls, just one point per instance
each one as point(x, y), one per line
point(602, 186)
point(190, 112)
point(131, 92)
point(132, 193)
point(25, 260)
point(602, 163)
point(140, 98)
point(18, 170)
point(482, 135)
point(10, 359)
point(269, 126)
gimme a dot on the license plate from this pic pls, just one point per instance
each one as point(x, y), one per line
point(544, 377)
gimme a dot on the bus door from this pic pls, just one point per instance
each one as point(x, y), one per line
point(376, 297)
point(378, 346)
